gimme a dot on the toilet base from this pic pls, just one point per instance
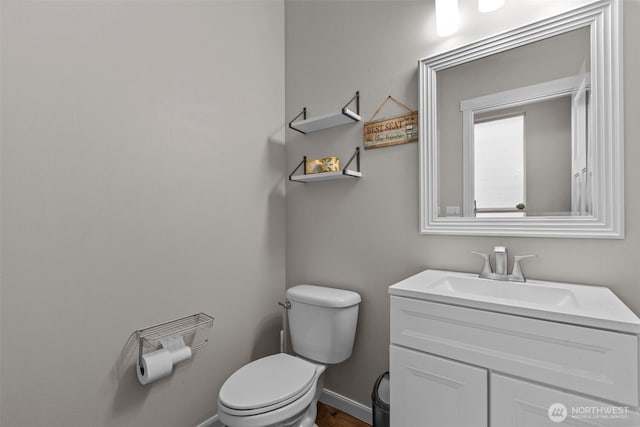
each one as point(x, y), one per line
point(309, 418)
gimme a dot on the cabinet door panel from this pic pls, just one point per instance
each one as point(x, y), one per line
point(517, 403)
point(429, 391)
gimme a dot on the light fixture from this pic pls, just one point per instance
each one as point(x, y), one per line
point(485, 6)
point(446, 17)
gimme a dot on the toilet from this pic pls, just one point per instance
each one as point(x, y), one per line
point(283, 390)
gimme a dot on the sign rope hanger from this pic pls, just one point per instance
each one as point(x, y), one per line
point(394, 99)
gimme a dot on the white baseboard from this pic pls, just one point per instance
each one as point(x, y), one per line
point(351, 407)
point(211, 422)
point(331, 398)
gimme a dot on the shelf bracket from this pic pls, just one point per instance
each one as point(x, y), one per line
point(356, 155)
point(348, 112)
point(304, 117)
point(304, 160)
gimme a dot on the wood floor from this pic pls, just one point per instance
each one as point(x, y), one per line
point(331, 417)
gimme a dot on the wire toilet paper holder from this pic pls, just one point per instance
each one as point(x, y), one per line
point(152, 336)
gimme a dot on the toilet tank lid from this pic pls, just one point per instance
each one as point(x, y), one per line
point(323, 296)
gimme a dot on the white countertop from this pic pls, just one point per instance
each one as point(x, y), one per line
point(584, 305)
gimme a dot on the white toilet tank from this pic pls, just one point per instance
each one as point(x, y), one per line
point(322, 322)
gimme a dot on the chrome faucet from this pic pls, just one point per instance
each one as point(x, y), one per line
point(501, 259)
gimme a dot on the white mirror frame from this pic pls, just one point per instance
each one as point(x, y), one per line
point(603, 19)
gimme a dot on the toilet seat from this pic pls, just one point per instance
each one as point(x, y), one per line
point(267, 384)
point(288, 415)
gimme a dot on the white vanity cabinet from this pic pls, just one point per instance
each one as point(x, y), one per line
point(456, 366)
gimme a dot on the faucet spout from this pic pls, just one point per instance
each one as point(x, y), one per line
point(500, 253)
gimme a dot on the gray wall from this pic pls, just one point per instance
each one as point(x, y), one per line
point(548, 157)
point(142, 180)
point(363, 234)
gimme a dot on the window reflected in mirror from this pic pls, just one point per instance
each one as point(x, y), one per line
point(499, 167)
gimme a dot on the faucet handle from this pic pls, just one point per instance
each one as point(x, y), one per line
point(517, 270)
point(486, 268)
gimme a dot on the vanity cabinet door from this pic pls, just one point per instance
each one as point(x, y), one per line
point(517, 403)
point(429, 391)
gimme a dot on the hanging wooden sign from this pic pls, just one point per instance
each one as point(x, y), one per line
point(393, 131)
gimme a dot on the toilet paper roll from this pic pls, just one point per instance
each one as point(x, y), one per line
point(180, 354)
point(176, 346)
point(155, 365)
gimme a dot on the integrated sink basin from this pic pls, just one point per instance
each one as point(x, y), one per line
point(594, 306)
point(470, 287)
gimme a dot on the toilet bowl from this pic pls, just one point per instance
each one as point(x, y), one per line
point(279, 390)
point(282, 390)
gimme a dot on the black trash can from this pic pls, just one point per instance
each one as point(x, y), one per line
point(380, 401)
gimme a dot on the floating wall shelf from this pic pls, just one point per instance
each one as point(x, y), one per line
point(326, 121)
point(328, 176)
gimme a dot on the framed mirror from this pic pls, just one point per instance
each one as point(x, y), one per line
point(521, 133)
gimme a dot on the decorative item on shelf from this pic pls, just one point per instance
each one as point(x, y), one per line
point(326, 169)
point(325, 121)
point(326, 164)
point(330, 164)
point(392, 131)
point(312, 166)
